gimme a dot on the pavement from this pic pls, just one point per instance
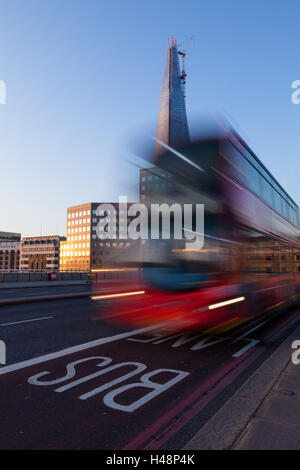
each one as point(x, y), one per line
point(264, 414)
point(276, 422)
point(31, 284)
point(43, 292)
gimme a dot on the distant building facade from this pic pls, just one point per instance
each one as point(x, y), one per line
point(83, 250)
point(40, 253)
point(155, 185)
point(9, 251)
point(263, 254)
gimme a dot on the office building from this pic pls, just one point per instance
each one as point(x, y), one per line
point(83, 250)
point(9, 251)
point(172, 126)
point(40, 253)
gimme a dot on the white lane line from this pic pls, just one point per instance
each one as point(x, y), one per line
point(252, 329)
point(74, 349)
point(25, 321)
point(25, 295)
point(37, 293)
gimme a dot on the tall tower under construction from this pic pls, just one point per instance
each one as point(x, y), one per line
point(172, 127)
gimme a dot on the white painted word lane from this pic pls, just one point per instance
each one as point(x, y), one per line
point(75, 397)
point(102, 393)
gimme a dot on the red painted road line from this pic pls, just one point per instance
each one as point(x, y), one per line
point(167, 433)
point(164, 420)
point(233, 369)
point(173, 429)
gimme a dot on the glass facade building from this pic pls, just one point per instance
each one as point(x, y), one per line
point(172, 127)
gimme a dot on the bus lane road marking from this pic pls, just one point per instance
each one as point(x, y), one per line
point(146, 381)
point(160, 431)
point(73, 349)
point(152, 381)
point(200, 341)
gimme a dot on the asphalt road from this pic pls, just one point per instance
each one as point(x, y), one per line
point(73, 381)
point(50, 290)
point(29, 294)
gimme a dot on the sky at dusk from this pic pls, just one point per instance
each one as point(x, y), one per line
point(83, 78)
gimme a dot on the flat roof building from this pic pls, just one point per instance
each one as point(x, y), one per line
point(40, 253)
point(9, 251)
point(83, 250)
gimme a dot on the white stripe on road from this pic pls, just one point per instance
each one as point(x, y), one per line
point(25, 321)
point(35, 293)
point(24, 295)
point(74, 349)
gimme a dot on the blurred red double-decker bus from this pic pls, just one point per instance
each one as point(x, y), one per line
point(249, 264)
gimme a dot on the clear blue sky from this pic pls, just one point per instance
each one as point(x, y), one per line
point(83, 76)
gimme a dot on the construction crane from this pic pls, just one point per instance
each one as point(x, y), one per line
point(183, 75)
point(182, 54)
